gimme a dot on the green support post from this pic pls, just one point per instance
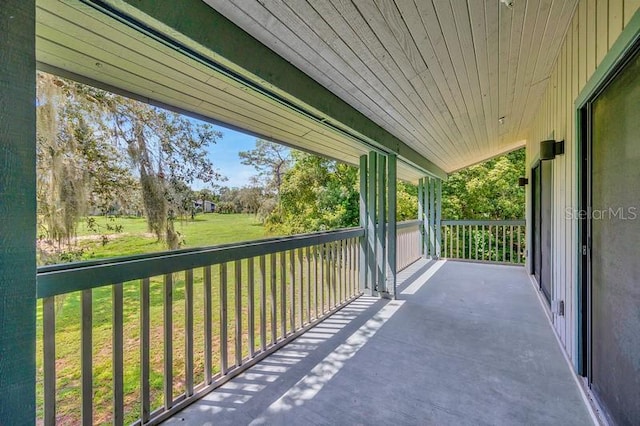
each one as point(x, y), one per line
point(18, 212)
point(371, 224)
point(438, 252)
point(421, 214)
point(381, 243)
point(392, 171)
point(364, 224)
point(432, 217)
point(425, 216)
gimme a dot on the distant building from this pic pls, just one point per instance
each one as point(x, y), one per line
point(205, 205)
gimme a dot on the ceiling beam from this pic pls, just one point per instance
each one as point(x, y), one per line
point(197, 29)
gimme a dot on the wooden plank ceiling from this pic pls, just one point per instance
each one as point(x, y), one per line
point(74, 39)
point(457, 80)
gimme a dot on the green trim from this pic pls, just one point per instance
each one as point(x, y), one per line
point(625, 41)
point(18, 213)
point(199, 31)
point(67, 278)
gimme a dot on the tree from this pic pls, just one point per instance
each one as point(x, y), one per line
point(164, 150)
point(316, 194)
point(486, 191)
point(271, 160)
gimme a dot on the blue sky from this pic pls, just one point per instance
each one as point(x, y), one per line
point(224, 156)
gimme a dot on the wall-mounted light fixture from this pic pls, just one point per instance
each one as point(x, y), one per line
point(522, 181)
point(550, 148)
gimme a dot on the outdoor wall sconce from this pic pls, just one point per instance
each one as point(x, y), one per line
point(550, 148)
point(522, 181)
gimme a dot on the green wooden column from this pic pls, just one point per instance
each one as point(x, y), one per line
point(381, 242)
point(432, 217)
point(363, 265)
point(392, 176)
point(438, 224)
point(371, 224)
point(421, 214)
point(18, 212)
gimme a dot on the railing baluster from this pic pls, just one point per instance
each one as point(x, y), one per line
point(238, 311)
point(511, 243)
point(315, 281)
point(338, 251)
point(283, 294)
point(301, 281)
point(87, 357)
point(223, 319)
point(168, 341)
point(49, 362)
point(208, 347)
point(292, 287)
point(274, 328)
point(251, 311)
point(504, 242)
point(324, 268)
point(519, 246)
point(308, 281)
point(188, 327)
point(464, 239)
point(263, 304)
point(145, 342)
point(470, 235)
point(118, 355)
point(477, 241)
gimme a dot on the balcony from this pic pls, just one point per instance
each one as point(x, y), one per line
point(465, 343)
point(277, 331)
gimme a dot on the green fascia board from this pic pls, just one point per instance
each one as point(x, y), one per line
point(194, 26)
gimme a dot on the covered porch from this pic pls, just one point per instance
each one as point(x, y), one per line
point(465, 343)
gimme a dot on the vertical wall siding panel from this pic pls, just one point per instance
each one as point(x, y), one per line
point(602, 29)
point(630, 7)
point(591, 37)
point(616, 15)
point(595, 26)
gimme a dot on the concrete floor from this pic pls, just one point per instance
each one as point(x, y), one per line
point(466, 344)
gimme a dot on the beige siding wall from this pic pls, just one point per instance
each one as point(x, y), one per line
point(595, 27)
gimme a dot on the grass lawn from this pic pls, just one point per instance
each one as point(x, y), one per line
point(205, 230)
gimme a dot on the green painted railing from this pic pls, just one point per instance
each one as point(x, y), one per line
point(136, 339)
point(500, 241)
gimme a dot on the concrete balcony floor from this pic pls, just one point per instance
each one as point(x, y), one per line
point(465, 344)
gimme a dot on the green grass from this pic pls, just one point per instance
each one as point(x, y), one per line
point(206, 230)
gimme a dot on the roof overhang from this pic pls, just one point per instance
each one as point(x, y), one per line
point(191, 59)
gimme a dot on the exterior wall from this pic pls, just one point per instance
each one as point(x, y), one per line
point(18, 212)
point(595, 26)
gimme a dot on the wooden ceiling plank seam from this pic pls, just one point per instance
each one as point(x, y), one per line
point(503, 64)
point(440, 93)
point(371, 15)
point(351, 15)
point(479, 39)
point(252, 24)
point(403, 35)
point(435, 36)
point(492, 26)
point(442, 47)
point(524, 75)
point(544, 65)
point(561, 28)
point(350, 58)
point(515, 45)
point(463, 43)
point(530, 83)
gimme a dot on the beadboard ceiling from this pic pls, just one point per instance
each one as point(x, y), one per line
point(457, 80)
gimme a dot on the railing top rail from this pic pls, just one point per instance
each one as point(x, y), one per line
point(65, 278)
point(407, 224)
point(516, 222)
